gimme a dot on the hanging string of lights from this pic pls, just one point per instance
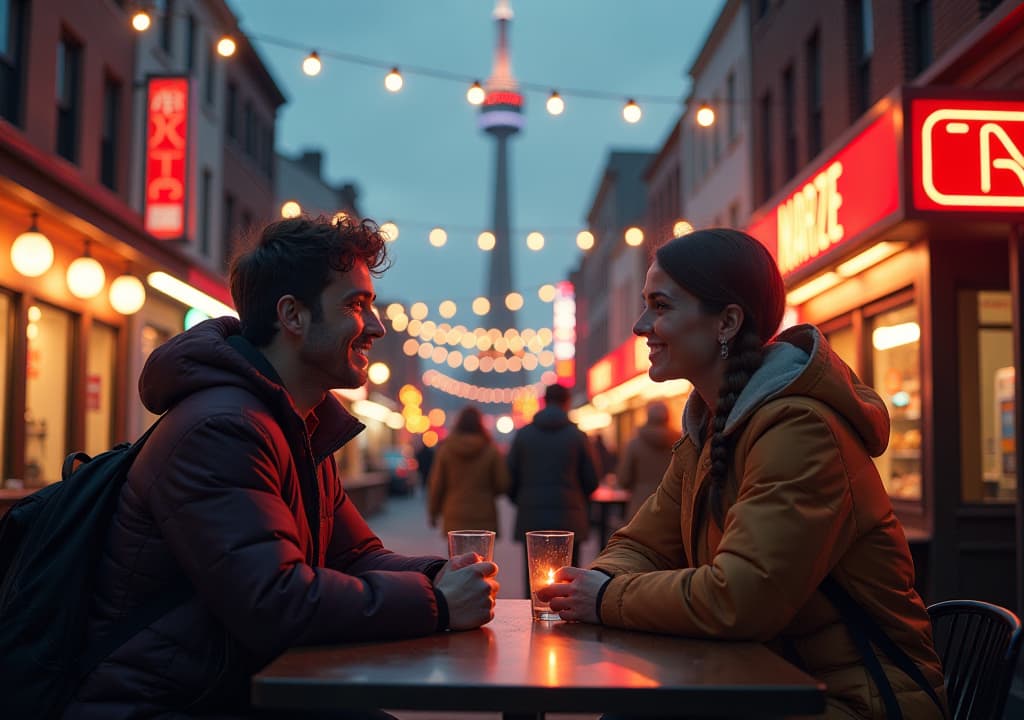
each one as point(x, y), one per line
point(478, 393)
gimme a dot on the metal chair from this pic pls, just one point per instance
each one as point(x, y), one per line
point(978, 643)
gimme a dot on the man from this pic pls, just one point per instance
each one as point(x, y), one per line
point(647, 456)
point(236, 494)
point(552, 473)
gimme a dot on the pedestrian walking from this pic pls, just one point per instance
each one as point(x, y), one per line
point(772, 523)
point(553, 472)
point(467, 476)
point(646, 457)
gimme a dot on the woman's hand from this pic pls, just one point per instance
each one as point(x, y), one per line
point(574, 593)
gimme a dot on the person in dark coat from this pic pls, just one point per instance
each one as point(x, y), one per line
point(236, 494)
point(647, 456)
point(552, 472)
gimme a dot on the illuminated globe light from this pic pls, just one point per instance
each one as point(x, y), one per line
point(468, 341)
point(486, 363)
point(400, 323)
point(485, 240)
point(549, 377)
point(515, 364)
point(535, 241)
point(379, 373)
point(475, 95)
point(291, 209)
point(500, 345)
point(545, 336)
point(418, 310)
point(226, 46)
point(421, 424)
point(456, 335)
point(705, 115)
point(411, 346)
point(546, 293)
point(483, 343)
point(34, 314)
point(85, 278)
point(500, 364)
point(394, 310)
point(414, 327)
point(32, 331)
point(339, 216)
point(584, 239)
point(513, 301)
point(516, 344)
point(428, 329)
point(546, 358)
point(535, 344)
point(454, 359)
point(312, 65)
point(438, 237)
point(393, 80)
point(634, 236)
point(436, 417)
point(504, 425)
point(555, 104)
point(32, 252)
point(447, 309)
point(410, 395)
point(441, 336)
point(127, 294)
point(481, 306)
point(471, 363)
point(631, 112)
point(430, 439)
point(141, 21)
point(681, 227)
point(494, 334)
point(426, 350)
point(439, 355)
point(390, 231)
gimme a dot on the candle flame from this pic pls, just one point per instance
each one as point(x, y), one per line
point(551, 577)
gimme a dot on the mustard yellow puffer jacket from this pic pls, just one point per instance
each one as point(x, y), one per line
point(804, 500)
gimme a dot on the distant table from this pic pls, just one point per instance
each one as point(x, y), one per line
point(523, 668)
point(608, 498)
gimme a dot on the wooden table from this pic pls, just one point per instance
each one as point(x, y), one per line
point(608, 498)
point(523, 668)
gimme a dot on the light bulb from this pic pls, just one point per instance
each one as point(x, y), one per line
point(141, 21)
point(31, 252)
point(475, 95)
point(555, 104)
point(393, 81)
point(631, 112)
point(584, 240)
point(85, 278)
point(312, 65)
point(390, 231)
point(226, 46)
point(705, 116)
point(486, 240)
point(634, 237)
point(127, 294)
point(291, 209)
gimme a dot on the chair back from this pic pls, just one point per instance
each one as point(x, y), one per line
point(978, 644)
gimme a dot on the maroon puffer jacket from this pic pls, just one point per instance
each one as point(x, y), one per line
point(233, 496)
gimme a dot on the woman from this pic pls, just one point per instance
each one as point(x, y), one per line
point(467, 475)
point(770, 491)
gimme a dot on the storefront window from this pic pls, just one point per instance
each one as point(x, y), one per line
point(5, 377)
point(99, 388)
point(896, 360)
point(989, 473)
point(46, 393)
point(152, 338)
point(844, 343)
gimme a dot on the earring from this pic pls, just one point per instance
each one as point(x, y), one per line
point(724, 349)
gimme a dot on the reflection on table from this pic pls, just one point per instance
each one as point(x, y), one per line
point(520, 667)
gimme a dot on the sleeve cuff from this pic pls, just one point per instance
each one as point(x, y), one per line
point(442, 610)
point(433, 569)
point(600, 597)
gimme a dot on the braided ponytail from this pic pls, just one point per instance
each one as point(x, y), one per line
point(745, 358)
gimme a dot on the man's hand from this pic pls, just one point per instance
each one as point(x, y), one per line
point(574, 593)
point(469, 589)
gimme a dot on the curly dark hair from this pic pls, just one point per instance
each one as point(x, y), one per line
point(295, 257)
point(720, 267)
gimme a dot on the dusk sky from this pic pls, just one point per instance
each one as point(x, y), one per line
point(418, 157)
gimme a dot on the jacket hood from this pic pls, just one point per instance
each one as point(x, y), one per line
point(213, 355)
point(551, 419)
point(466, 444)
point(800, 362)
point(658, 436)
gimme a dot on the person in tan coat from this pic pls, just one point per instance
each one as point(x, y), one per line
point(467, 476)
point(646, 457)
point(771, 501)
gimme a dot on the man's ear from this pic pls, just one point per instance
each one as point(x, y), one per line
point(730, 322)
point(292, 315)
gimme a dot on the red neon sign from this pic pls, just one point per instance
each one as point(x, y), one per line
point(564, 331)
point(166, 150)
point(503, 97)
point(838, 200)
point(968, 155)
point(625, 362)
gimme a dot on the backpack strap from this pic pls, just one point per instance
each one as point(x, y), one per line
point(865, 631)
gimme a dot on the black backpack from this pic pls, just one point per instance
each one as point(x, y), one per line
point(50, 546)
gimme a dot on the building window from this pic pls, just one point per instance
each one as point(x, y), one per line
point(987, 384)
point(5, 377)
point(896, 364)
point(48, 372)
point(921, 41)
point(228, 233)
point(101, 362)
point(69, 80)
point(166, 8)
point(209, 89)
point(789, 121)
point(814, 102)
point(767, 144)
point(12, 61)
point(863, 45)
point(730, 106)
point(204, 212)
point(249, 130)
point(716, 149)
point(190, 44)
point(111, 132)
point(231, 111)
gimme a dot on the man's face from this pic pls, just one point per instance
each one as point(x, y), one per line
point(334, 349)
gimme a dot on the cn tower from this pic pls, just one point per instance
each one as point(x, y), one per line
point(501, 116)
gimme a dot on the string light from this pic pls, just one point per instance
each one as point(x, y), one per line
point(535, 241)
point(634, 236)
point(226, 46)
point(390, 231)
point(475, 95)
point(312, 65)
point(681, 227)
point(631, 112)
point(584, 239)
point(141, 20)
point(291, 209)
point(555, 104)
point(705, 115)
point(393, 81)
point(486, 240)
point(438, 237)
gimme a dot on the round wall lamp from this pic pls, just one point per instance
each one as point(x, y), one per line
point(32, 252)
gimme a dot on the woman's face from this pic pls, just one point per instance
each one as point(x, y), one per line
point(683, 341)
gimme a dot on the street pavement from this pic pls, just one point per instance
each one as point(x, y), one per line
point(402, 526)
